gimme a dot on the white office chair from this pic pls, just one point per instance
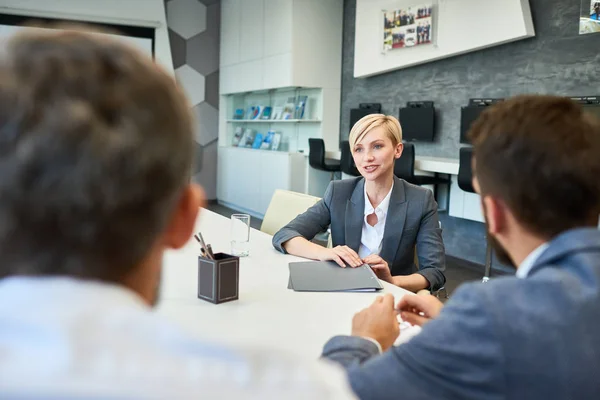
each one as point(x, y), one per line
point(284, 207)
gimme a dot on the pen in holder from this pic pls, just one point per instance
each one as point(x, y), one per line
point(218, 278)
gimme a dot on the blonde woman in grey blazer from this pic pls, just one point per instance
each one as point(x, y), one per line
point(377, 219)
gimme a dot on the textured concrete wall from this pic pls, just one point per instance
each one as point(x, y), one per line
point(194, 31)
point(558, 60)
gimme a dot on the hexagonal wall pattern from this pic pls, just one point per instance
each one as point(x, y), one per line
point(207, 120)
point(213, 20)
point(206, 169)
point(194, 38)
point(203, 53)
point(186, 17)
point(192, 82)
point(211, 84)
point(178, 49)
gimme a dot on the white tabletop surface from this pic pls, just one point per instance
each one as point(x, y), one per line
point(267, 314)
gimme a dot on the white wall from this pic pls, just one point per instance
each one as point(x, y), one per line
point(150, 13)
point(459, 26)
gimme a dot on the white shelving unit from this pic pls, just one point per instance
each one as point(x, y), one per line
point(272, 121)
point(294, 132)
point(271, 51)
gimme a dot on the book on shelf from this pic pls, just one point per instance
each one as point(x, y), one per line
point(237, 136)
point(277, 111)
point(258, 138)
point(266, 113)
point(238, 113)
point(247, 138)
point(289, 108)
point(249, 112)
point(276, 141)
point(300, 107)
point(257, 112)
point(266, 144)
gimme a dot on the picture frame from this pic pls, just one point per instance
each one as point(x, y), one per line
point(589, 17)
point(406, 26)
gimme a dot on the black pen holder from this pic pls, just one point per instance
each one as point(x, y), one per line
point(218, 279)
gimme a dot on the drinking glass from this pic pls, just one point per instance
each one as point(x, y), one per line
point(240, 235)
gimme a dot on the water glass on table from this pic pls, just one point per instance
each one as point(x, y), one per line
point(240, 235)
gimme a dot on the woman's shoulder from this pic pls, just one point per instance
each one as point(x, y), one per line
point(343, 188)
point(413, 192)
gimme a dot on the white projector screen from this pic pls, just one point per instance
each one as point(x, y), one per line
point(140, 37)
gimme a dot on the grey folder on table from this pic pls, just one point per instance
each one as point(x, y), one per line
point(327, 276)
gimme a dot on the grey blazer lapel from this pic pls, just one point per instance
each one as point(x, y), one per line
point(394, 223)
point(355, 211)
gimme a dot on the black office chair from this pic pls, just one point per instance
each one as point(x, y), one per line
point(316, 157)
point(465, 182)
point(347, 161)
point(404, 167)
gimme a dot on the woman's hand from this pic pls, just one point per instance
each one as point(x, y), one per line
point(342, 255)
point(380, 267)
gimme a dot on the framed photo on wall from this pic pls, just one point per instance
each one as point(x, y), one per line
point(408, 26)
point(589, 18)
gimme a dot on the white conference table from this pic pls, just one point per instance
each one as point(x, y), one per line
point(267, 314)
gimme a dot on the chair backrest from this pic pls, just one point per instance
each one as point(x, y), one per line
point(284, 207)
point(465, 169)
point(346, 161)
point(316, 153)
point(404, 167)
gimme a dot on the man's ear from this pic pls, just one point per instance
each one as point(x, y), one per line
point(399, 149)
point(181, 226)
point(496, 214)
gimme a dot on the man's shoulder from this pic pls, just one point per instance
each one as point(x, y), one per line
point(552, 290)
point(139, 353)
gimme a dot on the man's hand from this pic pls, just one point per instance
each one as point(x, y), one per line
point(419, 309)
point(379, 321)
point(380, 267)
point(342, 255)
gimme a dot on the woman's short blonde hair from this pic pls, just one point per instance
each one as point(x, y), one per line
point(390, 125)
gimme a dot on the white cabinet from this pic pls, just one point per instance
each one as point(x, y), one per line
point(298, 43)
point(273, 51)
point(249, 75)
point(247, 178)
point(237, 178)
point(277, 70)
point(252, 30)
point(278, 27)
point(230, 36)
point(464, 204)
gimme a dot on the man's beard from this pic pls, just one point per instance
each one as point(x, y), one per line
point(501, 253)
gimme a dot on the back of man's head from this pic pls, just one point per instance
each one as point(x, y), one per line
point(541, 156)
point(95, 148)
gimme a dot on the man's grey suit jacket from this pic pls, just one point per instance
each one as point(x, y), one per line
point(511, 338)
point(411, 220)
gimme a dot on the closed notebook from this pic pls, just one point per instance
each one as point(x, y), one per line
point(327, 276)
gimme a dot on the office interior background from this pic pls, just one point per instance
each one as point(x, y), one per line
point(220, 51)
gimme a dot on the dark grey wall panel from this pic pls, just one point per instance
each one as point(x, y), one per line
point(558, 60)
